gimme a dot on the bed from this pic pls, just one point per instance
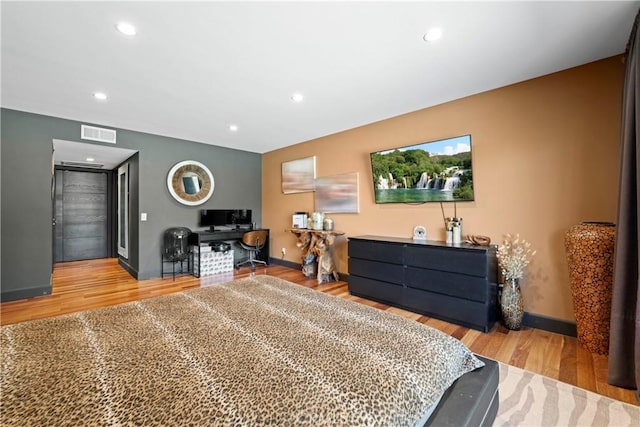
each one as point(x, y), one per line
point(255, 351)
point(472, 400)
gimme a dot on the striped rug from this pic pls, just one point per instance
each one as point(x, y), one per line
point(528, 399)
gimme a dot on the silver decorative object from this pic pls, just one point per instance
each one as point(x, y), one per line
point(328, 224)
point(511, 304)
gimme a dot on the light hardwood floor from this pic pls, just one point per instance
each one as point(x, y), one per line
point(84, 285)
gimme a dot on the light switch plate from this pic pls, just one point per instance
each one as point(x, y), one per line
point(143, 216)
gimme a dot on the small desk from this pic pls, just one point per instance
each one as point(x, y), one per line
point(198, 238)
point(316, 248)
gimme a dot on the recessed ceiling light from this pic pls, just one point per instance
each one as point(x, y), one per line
point(126, 29)
point(90, 159)
point(432, 35)
point(297, 97)
point(233, 128)
point(100, 95)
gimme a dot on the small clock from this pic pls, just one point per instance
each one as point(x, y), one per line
point(419, 233)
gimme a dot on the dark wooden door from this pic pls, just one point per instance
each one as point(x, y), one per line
point(82, 228)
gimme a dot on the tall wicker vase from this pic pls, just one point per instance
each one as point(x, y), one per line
point(589, 248)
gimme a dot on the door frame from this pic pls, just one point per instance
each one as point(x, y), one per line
point(122, 211)
point(111, 208)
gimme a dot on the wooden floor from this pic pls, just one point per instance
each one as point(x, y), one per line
point(84, 285)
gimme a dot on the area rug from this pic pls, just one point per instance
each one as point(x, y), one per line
point(255, 351)
point(528, 399)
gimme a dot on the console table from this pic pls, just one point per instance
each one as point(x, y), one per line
point(315, 245)
point(453, 282)
point(198, 238)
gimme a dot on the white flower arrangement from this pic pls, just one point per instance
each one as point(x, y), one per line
point(514, 256)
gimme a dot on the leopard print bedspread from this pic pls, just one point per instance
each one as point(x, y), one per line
point(256, 351)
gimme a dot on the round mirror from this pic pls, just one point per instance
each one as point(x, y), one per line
point(190, 182)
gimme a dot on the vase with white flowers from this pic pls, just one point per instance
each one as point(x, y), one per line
point(514, 254)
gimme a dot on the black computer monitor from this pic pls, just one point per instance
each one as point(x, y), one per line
point(213, 218)
point(240, 216)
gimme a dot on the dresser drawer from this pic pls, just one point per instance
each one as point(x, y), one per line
point(470, 261)
point(442, 282)
point(375, 251)
point(463, 312)
point(375, 290)
point(376, 270)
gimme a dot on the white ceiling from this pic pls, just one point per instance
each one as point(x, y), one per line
point(194, 68)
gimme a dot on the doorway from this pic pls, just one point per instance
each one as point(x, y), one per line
point(83, 215)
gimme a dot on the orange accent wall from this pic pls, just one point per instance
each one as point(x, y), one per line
point(545, 157)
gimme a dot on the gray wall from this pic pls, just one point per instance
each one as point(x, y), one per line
point(26, 194)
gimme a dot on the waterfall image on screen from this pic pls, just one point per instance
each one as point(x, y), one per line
point(437, 171)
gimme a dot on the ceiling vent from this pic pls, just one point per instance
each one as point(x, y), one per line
point(83, 165)
point(98, 134)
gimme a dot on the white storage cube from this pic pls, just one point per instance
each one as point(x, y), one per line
point(215, 262)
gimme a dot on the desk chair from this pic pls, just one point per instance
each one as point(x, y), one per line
point(253, 241)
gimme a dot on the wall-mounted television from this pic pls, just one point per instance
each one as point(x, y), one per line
point(435, 171)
